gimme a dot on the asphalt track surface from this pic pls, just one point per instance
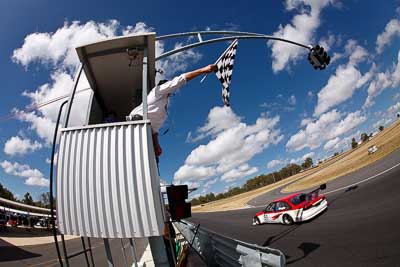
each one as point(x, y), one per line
point(46, 256)
point(359, 228)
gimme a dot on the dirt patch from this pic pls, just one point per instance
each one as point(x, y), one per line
point(349, 161)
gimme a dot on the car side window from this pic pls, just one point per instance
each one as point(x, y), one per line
point(282, 206)
point(270, 207)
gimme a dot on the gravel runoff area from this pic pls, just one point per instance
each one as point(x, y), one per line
point(387, 141)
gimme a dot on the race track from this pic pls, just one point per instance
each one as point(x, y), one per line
point(360, 227)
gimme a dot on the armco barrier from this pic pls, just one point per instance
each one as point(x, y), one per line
point(219, 250)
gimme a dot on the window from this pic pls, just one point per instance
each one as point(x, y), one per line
point(270, 207)
point(282, 206)
point(298, 199)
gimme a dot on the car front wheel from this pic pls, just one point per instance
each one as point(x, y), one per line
point(287, 220)
point(256, 221)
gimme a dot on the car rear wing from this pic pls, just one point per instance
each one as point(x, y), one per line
point(315, 193)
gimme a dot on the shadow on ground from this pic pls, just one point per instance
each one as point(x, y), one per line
point(10, 252)
point(306, 248)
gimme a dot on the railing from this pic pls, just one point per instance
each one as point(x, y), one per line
point(219, 250)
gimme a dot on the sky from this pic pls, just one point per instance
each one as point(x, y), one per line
point(282, 110)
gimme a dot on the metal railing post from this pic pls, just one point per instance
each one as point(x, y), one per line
point(133, 250)
point(52, 221)
point(110, 261)
point(71, 98)
point(85, 251)
point(65, 250)
point(90, 251)
point(144, 83)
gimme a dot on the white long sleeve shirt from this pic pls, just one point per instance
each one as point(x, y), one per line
point(157, 102)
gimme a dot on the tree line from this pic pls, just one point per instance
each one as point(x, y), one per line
point(256, 182)
point(43, 201)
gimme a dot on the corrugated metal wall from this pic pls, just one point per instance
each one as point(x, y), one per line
point(107, 182)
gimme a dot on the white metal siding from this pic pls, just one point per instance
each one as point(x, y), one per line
point(107, 182)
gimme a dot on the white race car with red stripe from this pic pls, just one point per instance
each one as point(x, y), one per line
point(298, 207)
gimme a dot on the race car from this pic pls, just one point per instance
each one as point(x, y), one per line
point(298, 207)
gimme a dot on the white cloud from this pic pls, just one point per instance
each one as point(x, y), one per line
point(391, 31)
point(339, 88)
point(305, 121)
point(231, 146)
point(331, 143)
point(218, 120)
point(37, 181)
point(328, 41)
point(355, 52)
point(387, 117)
point(33, 176)
point(238, 173)
point(301, 159)
point(275, 162)
point(48, 160)
point(308, 155)
point(209, 183)
point(43, 126)
point(301, 29)
point(382, 81)
point(346, 80)
point(59, 47)
point(292, 100)
point(20, 146)
point(140, 27)
point(328, 126)
point(188, 172)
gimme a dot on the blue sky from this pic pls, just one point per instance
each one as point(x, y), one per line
point(281, 109)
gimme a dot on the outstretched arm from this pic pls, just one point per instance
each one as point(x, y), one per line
point(193, 74)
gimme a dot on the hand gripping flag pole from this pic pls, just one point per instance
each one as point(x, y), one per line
point(224, 70)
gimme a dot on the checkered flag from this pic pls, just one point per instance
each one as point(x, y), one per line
point(225, 68)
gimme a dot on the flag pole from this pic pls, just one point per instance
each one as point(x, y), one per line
point(229, 47)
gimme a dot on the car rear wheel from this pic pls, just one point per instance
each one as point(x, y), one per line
point(256, 221)
point(287, 219)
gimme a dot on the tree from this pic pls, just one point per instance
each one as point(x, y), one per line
point(381, 128)
point(307, 163)
point(353, 143)
point(336, 153)
point(28, 199)
point(364, 137)
point(5, 193)
point(44, 200)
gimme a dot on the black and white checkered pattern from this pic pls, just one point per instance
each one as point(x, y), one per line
point(225, 68)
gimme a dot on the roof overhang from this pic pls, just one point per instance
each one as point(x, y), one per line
point(114, 80)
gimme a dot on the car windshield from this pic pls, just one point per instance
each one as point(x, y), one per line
point(296, 200)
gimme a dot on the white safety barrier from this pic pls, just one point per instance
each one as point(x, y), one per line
point(219, 250)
